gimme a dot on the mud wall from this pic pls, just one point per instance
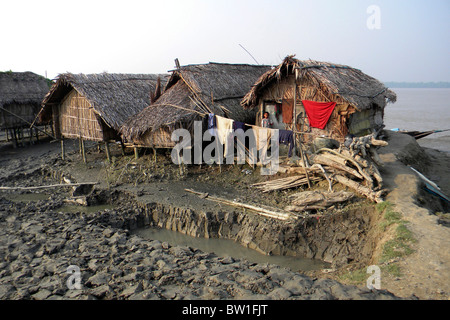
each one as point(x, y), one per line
point(337, 238)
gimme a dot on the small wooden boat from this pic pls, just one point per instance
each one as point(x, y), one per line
point(419, 134)
point(430, 186)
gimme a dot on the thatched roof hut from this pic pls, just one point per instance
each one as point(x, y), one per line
point(94, 106)
point(191, 93)
point(21, 94)
point(359, 99)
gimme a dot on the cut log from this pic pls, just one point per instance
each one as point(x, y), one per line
point(359, 188)
point(325, 160)
point(309, 200)
point(353, 161)
point(339, 159)
point(376, 142)
point(361, 161)
point(296, 208)
point(302, 170)
point(375, 157)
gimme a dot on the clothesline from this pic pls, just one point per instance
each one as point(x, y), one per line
point(221, 128)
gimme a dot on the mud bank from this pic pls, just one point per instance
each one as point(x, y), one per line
point(39, 243)
point(337, 238)
point(41, 240)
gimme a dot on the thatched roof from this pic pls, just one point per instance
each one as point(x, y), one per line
point(195, 90)
point(350, 84)
point(22, 88)
point(114, 97)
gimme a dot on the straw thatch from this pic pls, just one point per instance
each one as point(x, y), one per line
point(336, 82)
point(355, 92)
point(191, 93)
point(20, 93)
point(94, 106)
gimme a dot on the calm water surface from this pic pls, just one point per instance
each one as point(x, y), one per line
point(422, 109)
point(227, 247)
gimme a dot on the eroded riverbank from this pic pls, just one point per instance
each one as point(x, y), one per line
point(41, 240)
point(39, 243)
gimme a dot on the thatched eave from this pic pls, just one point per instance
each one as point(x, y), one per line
point(192, 92)
point(22, 88)
point(337, 81)
point(114, 97)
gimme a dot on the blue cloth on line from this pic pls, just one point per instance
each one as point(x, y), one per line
point(212, 124)
point(238, 125)
point(287, 137)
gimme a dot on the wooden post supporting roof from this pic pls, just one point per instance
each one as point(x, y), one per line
point(108, 154)
point(62, 149)
point(83, 151)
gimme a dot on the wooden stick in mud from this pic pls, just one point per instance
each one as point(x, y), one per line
point(262, 211)
point(48, 186)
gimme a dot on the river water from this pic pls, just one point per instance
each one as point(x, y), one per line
point(227, 247)
point(422, 109)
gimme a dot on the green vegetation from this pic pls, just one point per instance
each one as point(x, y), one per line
point(358, 276)
point(399, 246)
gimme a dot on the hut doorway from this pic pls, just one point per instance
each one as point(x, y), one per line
point(281, 114)
point(275, 114)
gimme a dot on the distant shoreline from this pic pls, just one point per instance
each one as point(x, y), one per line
point(437, 85)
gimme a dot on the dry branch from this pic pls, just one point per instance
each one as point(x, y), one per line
point(267, 212)
point(325, 160)
point(284, 183)
point(49, 186)
point(359, 188)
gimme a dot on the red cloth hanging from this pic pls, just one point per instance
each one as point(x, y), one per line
point(318, 112)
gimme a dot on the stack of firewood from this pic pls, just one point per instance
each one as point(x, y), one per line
point(285, 183)
point(355, 166)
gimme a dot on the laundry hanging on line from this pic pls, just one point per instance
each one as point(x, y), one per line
point(224, 127)
point(318, 112)
point(287, 137)
point(212, 124)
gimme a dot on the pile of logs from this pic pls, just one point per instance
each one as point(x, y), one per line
point(355, 166)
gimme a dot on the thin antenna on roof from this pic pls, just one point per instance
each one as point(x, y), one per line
point(249, 54)
point(177, 63)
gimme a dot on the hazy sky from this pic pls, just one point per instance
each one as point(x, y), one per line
point(411, 43)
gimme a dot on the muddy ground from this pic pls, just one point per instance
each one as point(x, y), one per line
point(155, 190)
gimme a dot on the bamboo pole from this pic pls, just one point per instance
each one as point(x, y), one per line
point(13, 114)
point(62, 149)
point(108, 153)
point(122, 146)
point(49, 186)
point(262, 211)
point(294, 111)
point(83, 151)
